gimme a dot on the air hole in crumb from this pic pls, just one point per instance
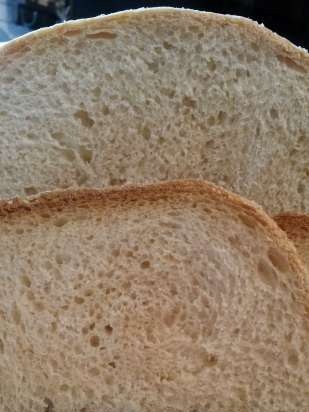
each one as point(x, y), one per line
point(171, 316)
point(146, 133)
point(19, 231)
point(108, 329)
point(293, 358)
point(16, 315)
point(189, 102)
point(116, 252)
point(267, 273)
point(301, 140)
point(79, 300)
point(92, 326)
point(278, 260)
point(221, 117)
point(30, 190)
point(49, 405)
point(153, 66)
point(94, 372)
point(85, 154)
point(168, 92)
point(59, 136)
point(300, 188)
point(68, 154)
point(109, 380)
point(210, 360)
point(167, 45)
point(97, 92)
point(25, 281)
point(30, 295)
point(84, 118)
point(145, 264)
point(255, 47)
point(101, 35)
point(52, 69)
point(211, 121)
point(112, 364)
point(198, 48)
point(274, 113)
point(105, 110)
point(1, 346)
point(95, 341)
point(239, 73)
point(59, 259)
point(88, 292)
point(89, 393)
point(210, 144)
point(116, 181)
point(211, 65)
point(81, 177)
point(64, 387)
point(60, 222)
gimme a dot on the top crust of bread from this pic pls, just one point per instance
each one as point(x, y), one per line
point(57, 201)
point(299, 56)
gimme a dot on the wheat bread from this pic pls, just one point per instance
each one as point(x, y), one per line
point(171, 297)
point(297, 228)
point(156, 94)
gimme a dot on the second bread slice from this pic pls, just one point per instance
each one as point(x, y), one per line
point(175, 297)
point(156, 94)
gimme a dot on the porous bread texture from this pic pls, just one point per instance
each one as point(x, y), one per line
point(297, 228)
point(176, 297)
point(156, 94)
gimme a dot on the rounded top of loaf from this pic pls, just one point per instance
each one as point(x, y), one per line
point(250, 28)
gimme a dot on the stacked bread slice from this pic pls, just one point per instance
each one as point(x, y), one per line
point(151, 296)
point(153, 95)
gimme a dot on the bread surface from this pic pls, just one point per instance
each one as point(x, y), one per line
point(173, 297)
point(156, 94)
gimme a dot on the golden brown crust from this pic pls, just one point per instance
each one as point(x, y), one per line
point(295, 225)
point(288, 53)
point(57, 201)
point(62, 199)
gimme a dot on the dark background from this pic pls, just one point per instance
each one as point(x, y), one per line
point(290, 19)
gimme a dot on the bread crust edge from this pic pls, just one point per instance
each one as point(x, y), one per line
point(287, 51)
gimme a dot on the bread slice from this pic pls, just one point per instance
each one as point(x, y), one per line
point(171, 297)
point(297, 228)
point(153, 95)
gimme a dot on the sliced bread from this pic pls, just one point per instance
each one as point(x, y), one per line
point(153, 95)
point(297, 229)
point(174, 297)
